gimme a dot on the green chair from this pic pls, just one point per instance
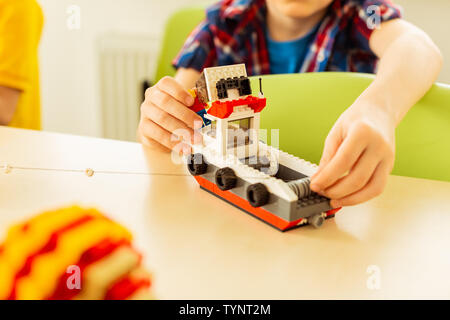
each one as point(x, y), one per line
point(178, 27)
point(305, 106)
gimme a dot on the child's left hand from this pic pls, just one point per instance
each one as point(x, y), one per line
point(358, 155)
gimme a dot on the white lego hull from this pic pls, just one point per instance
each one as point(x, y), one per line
point(284, 210)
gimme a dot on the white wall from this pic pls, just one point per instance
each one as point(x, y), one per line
point(70, 88)
point(433, 16)
point(69, 83)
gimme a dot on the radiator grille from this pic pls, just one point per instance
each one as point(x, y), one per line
point(127, 64)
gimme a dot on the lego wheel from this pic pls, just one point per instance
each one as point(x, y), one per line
point(196, 164)
point(257, 195)
point(226, 178)
point(316, 220)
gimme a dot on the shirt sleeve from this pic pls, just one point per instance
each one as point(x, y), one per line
point(370, 14)
point(198, 51)
point(17, 43)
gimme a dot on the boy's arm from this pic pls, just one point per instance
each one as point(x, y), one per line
point(359, 150)
point(409, 64)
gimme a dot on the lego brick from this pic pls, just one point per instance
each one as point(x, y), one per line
point(287, 174)
point(257, 104)
point(223, 109)
point(242, 84)
point(214, 74)
point(221, 90)
point(202, 113)
point(296, 164)
point(198, 105)
point(244, 87)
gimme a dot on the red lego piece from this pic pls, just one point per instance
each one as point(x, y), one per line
point(259, 212)
point(224, 109)
point(332, 211)
point(221, 109)
point(258, 105)
point(198, 105)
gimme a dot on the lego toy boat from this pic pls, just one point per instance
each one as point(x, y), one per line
point(234, 165)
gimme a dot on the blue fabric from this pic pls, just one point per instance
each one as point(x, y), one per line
point(288, 56)
point(202, 114)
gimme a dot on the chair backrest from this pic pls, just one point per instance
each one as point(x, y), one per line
point(304, 107)
point(178, 28)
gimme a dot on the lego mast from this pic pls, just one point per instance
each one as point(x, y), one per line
point(260, 87)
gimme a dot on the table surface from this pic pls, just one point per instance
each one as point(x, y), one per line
point(197, 246)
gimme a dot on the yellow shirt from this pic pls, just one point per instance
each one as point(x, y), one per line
point(21, 23)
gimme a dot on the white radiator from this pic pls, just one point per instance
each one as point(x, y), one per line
point(126, 63)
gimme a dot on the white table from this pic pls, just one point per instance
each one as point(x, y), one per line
point(198, 246)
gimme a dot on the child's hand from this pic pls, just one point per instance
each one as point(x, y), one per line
point(358, 155)
point(164, 112)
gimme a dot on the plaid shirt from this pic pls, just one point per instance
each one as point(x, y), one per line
point(234, 31)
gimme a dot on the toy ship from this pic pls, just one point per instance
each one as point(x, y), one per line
point(234, 165)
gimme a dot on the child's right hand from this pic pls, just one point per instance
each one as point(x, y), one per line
point(166, 119)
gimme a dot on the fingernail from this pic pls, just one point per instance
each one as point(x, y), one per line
point(189, 101)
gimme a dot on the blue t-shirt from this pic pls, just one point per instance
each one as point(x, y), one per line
point(288, 56)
